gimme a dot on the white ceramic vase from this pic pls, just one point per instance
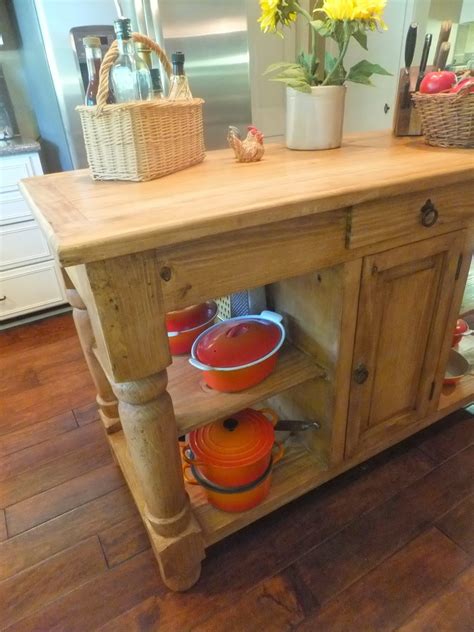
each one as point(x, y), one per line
point(314, 121)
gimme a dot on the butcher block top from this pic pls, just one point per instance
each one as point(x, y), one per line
point(86, 220)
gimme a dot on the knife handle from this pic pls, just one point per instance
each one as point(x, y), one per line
point(410, 44)
point(443, 56)
point(444, 33)
point(424, 60)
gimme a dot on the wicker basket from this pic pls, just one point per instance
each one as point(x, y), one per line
point(140, 140)
point(447, 120)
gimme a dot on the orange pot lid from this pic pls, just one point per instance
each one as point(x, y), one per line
point(236, 441)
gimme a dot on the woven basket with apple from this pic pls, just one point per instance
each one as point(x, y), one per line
point(445, 104)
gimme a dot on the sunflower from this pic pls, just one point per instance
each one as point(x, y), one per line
point(275, 12)
point(371, 11)
point(367, 10)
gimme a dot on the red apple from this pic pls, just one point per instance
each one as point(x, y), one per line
point(469, 81)
point(434, 82)
point(461, 328)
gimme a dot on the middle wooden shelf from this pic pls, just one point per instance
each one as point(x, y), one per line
point(195, 404)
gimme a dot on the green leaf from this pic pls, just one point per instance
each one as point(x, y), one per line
point(329, 61)
point(361, 72)
point(280, 65)
point(339, 33)
point(324, 28)
point(294, 73)
point(309, 64)
point(361, 37)
point(301, 86)
point(340, 75)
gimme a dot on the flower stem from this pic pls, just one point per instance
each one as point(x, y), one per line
point(309, 19)
point(342, 54)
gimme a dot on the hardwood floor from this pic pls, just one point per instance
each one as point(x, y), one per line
point(386, 546)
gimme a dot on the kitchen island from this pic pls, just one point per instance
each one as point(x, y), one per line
point(365, 250)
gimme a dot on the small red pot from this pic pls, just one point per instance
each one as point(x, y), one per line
point(240, 352)
point(185, 325)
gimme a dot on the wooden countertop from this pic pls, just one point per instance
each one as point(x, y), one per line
point(88, 221)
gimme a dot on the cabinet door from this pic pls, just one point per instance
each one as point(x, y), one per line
point(404, 304)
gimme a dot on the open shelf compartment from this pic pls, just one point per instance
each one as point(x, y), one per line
point(296, 474)
point(457, 395)
point(195, 404)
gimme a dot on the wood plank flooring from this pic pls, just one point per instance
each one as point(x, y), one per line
point(387, 546)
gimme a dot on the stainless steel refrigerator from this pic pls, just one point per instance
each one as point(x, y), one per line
point(212, 34)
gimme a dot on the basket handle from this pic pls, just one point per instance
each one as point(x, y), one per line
point(109, 60)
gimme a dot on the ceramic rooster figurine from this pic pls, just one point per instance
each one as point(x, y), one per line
point(249, 150)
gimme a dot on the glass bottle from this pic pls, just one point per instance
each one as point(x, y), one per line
point(131, 79)
point(179, 86)
point(94, 60)
point(145, 53)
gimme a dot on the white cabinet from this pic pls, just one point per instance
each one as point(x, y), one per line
point(29, 278)
point(30, 288)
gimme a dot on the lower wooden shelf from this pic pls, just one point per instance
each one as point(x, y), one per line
point(457, 395)
point(297, 473)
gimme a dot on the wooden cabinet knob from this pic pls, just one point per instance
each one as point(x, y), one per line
point(361, 373)
point(429, 214)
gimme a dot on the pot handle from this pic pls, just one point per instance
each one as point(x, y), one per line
point(199, 365)
point(188, 456)
point(273, 316)
point(280, 454)
point(190, 481)
point(270, 414)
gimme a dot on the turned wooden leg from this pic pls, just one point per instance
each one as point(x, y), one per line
point(150, 428)
point(106, 400)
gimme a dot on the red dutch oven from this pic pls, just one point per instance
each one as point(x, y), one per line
point(185, 325)
point(240, 352)
point(232, 459)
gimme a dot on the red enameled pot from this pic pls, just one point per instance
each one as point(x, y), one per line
point(240, 352)
point(232, 459)
point(185, 325)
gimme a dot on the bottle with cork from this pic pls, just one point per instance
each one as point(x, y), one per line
point(179, 88)
point(145, 54)
point(94, 60)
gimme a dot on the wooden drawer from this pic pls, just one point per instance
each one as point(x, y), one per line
point(30, 288)
point(371, 222)
point(14, 168)
point(22, 244)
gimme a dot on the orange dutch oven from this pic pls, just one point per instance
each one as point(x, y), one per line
point(232, 459)
point(185, 325)
point(239, 352)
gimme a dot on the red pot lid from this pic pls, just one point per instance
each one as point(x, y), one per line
point(190, 317)
point(234, 343)
point(240, 440)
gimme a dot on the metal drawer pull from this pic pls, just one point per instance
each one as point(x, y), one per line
point(3, 298)
point(429, 214)
point(361, 373)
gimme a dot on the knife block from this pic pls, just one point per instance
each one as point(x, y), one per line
point(406, 121)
